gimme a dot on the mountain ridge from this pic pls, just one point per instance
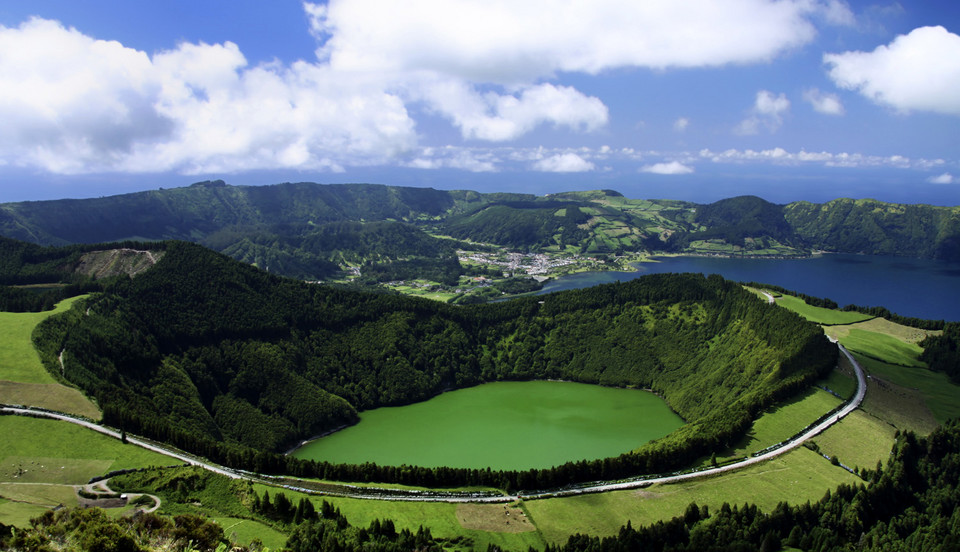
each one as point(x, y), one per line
point(278, 225)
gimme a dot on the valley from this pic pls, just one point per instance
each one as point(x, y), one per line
point(228, 366)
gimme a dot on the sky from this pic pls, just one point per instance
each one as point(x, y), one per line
point(679, 99)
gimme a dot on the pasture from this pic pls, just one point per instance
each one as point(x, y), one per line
point(23, 378)
point(796, 477)
point(858, 440)
point(820, 315)
point(19, 360)
point(782, 422)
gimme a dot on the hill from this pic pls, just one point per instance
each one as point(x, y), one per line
point(226, 360)
point(316, 232)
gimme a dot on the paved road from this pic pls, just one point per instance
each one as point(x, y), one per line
point(413, 496)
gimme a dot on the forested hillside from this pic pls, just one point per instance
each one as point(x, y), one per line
point(202, 349)
point(874, 227)
point(313, 231)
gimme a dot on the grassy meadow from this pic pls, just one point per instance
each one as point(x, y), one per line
point(797, 476)
point(820, 315)
point(23, 378)
point(19, 361)
point(42, 460)
point(782, 422)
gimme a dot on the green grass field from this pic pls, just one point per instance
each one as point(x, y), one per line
point(244, 531)
point(52, 396)
point(19, 360)
point(23, 379)
point(67, 453)
point(858, 440)
point(880, 346)
point(938, 392)
point(820, 315)
point(796, 477)
point(782, 422)
point(40, 460)
point(841, 383)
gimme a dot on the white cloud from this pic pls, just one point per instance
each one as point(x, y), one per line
point(70, 103)
point(563, 162)
point(451, 157)
point(500, 117)
point(945, 178)
point(781, 156)
point(828, 104)
point(672, 167)
point(767, 113)
point(681, 124)
point(508, 42)
point(917, 71)
point(73, 104)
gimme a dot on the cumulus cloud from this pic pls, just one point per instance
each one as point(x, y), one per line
point(451, 157)
point(828, 104)
point(504, 41)
point(74, 104)
point(917, 71)
point(562, 163)
point(945, 178)
point(681, 124)
point(71, 103)
point(672, 167)
point(767, 113)
point(500, 117)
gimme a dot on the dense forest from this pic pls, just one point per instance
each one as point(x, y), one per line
point(313, 231)
point(234, 363)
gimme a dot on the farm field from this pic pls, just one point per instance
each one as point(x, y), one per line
point(23, 379)
point(937, 392)
point(782, 422)
point(19, 360)
point(820, 315)
point(805, 473)
point(41, 461)
point(859, 440)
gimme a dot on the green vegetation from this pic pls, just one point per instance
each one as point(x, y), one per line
point(800, 475)
point(906, 506)
point(942, 352)
point(940, 395)
point(874, 227)
point(23, 378)
point(781, 422)
point(877, 345)
point(332, 232)
point(19, 361)
point(841, 383)
point(859, 440)
point(820, 315)
point(231, 362)
point(91, 529)
point(47, 451)
point(41, 460)
point(524, 425)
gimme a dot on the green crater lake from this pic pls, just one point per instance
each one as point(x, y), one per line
point(503, 425)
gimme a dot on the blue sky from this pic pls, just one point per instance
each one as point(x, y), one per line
point(694, 99)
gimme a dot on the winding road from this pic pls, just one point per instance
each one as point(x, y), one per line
point(441, 496)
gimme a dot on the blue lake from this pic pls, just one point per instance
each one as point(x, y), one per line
point(920, 288)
